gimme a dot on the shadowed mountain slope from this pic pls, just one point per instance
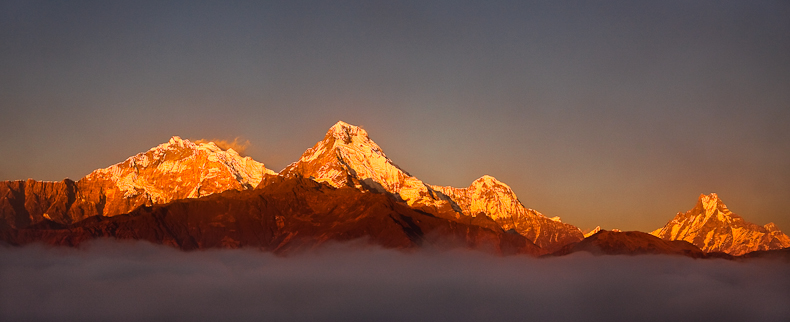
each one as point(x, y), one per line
point(286, 215)
point(631, 243)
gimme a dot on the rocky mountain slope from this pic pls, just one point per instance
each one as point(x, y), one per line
point(711, 226)
point(23, 203)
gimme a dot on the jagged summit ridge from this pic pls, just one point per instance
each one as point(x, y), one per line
point(180, 169)
point(712, 227)
point(176, 169)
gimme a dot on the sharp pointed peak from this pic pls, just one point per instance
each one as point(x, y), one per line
point(344, 132)
point(711, 196)
point(340, 123)
point(711, 200)
point(341, 126)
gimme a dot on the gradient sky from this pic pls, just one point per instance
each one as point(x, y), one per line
point(606, 113)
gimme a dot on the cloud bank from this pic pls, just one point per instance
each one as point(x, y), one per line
point(125, 281)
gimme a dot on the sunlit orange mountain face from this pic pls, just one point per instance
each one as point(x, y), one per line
point(199, 196)
point(712, 227)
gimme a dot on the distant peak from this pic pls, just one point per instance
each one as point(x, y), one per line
point(344, 131)
point(489, 181)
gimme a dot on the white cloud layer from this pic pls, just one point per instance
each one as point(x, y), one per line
point(134, 281)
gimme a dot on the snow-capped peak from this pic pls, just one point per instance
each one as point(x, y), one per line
point(344, 137)
point(495, 199)
point(344, 132)
point(486, 195)
point(177, 169)
point(713, 206)
point(710, 201)
point(348, 157)
point(488, 181)
point(711, 226)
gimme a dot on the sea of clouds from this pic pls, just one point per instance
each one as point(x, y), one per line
point(133, 281)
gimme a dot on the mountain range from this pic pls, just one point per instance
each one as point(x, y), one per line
point(198, 195)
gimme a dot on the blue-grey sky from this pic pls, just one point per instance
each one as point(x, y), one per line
point(611, 113)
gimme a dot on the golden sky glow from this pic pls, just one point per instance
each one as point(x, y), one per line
point(614, 114)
